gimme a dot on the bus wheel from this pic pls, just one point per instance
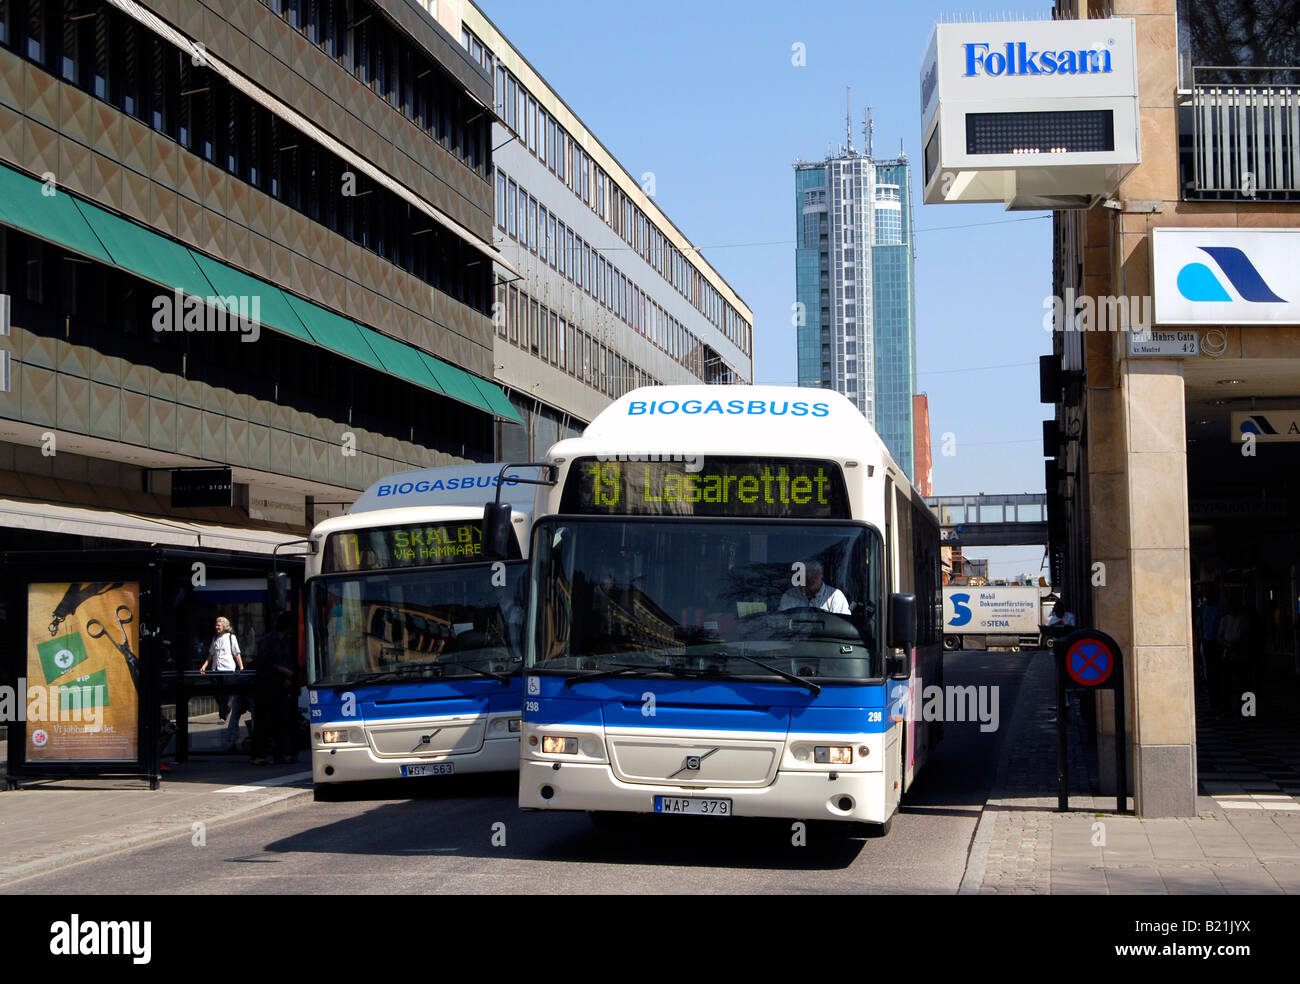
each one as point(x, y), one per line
point(951, 643)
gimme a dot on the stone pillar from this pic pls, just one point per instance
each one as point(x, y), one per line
point(1160, 660)
point(1109, 538)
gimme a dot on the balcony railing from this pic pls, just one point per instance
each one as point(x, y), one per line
point(1244, 134)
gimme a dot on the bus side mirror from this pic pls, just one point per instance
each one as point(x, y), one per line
point(497, 530)
point(902, 621)
point(277, 592)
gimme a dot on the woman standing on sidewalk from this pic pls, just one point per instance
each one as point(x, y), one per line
point(225, 657)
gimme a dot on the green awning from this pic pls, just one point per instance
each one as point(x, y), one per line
point(462, 386)
point(87, 229)
point(401, 360)
point(497, 400)
point(275, 311)
point(335, 332)
point(454, 382)
point(52, 217)
point(147, 254)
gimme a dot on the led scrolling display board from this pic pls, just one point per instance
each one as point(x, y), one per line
point(410, 545)
point(767, 488)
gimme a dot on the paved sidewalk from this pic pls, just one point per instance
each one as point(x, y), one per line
point(1023, 846)
point(50, 824)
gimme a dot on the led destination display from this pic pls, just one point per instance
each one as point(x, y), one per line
point(773, 488)
point(413, 545)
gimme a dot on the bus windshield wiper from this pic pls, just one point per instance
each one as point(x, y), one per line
point(490, 674)
point(813, 688)
point(407, 670)
point(619, 670)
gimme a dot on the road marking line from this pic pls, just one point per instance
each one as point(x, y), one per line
point(263, 784)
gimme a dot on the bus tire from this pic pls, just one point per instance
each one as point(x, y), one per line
point(951, 643)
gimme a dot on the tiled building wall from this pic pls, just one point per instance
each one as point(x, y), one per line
point(48, 126)
point(77, 389)
point(260, 44)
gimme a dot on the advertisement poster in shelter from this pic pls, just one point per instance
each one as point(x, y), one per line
point(83, 672)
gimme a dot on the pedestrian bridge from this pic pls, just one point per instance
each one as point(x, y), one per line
point(991, 520)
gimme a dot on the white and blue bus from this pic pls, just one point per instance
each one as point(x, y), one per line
point(413, 632)
point(734, 597)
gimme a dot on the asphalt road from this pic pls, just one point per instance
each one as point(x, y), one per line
point(438, 837)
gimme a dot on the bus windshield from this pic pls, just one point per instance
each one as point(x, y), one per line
point(417, 625)
point(707, 597)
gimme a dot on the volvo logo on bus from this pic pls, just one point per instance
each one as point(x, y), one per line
point(692, 763)
point(1017, 58)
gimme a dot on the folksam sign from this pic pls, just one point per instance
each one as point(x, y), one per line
point(1225, 276)
point(1017, 58)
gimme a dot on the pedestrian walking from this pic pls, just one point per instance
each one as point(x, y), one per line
point(239, 704)
point(225, 658)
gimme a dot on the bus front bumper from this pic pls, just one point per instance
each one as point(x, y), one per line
point(851, 796)
point(359, 763)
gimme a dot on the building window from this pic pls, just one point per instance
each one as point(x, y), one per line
point(1238, 33)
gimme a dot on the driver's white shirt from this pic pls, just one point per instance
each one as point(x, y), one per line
point(827, 599)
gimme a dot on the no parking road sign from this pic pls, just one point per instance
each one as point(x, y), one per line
point(1089, 661)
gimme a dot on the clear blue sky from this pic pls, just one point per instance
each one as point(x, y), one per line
point(706, 97)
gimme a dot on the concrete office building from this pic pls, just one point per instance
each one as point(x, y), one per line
point(611, 294)
point(1175, 450)
point(323, 168)
point(854, 281)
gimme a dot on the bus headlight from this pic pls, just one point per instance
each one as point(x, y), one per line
point(336, 736)
point(513, 725)
point(833, 754)
point(562, 746)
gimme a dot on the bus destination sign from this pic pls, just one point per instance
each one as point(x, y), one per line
point(411, 545)
point(771, 488)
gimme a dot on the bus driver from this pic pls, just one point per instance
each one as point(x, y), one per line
point(814, 592)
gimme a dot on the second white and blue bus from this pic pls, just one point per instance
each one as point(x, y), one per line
point(413, 633)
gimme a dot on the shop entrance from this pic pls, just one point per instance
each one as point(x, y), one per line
point(1244, 538)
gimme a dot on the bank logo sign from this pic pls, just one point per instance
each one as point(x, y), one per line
point(1197, 282)
point(1266, 426)
point(1225, 276)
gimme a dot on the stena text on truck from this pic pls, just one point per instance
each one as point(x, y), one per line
point(414, 632)
point(734, 607)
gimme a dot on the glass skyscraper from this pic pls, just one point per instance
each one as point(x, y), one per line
point(855, 287)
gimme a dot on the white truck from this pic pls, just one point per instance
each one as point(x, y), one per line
point(994, 615)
